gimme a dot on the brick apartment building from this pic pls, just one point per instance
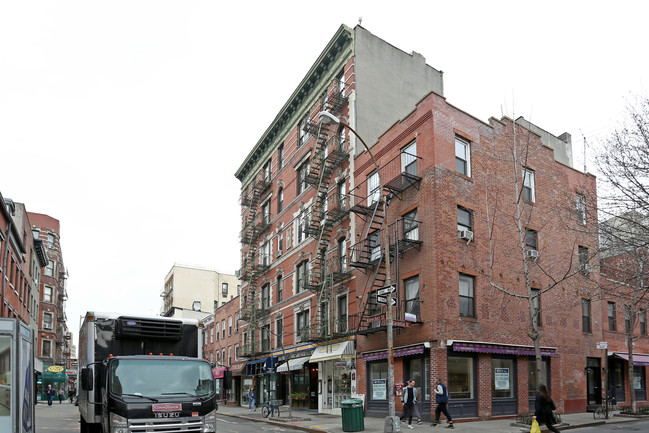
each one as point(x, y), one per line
point(470, 219)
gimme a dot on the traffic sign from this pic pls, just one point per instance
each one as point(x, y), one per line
point(386, 290)
point(384, 300)
point(401, 324)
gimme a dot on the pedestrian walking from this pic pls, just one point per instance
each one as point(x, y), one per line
point(441, 397)
point(49, 392)
point(61, 394)
point(252, 404)
point(409, 399)
point(416, 413)
point(543, 407)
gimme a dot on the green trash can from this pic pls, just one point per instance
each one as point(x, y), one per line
point(352, 411)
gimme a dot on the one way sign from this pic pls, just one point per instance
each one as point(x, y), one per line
point(384, 300)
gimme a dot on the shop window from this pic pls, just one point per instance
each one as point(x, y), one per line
point(639, 383)
point(503, 374)
point(461, 377)
point(378, 380)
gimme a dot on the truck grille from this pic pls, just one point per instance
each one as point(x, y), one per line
point(149, 328)
point(165, 425)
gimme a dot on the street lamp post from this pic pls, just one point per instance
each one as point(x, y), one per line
point(391, 424)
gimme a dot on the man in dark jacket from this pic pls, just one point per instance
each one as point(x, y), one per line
point(441, 397)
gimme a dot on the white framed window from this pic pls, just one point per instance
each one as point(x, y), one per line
point(229, 325)
point(409, 159)
point(223, 329)
point(303, 326)
point(342, 254)
point(462, 156)
point(50, 241)
point(302, 224)
point(411, 226)
point(301, 276)
point(217, 331)
point(302, 173)
point(265, 212)
point(47, 348)
point(529, 193)
point(373, 192)
point(211, 334)
point(49, 269)
point(47, 293)
point(464, 219)
point(267, 171)
point(48, 320)
point(264, 256)
point(304, 134)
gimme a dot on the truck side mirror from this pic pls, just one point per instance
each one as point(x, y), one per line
point(86, 379)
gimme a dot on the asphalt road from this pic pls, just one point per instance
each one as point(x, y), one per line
point(64, 418)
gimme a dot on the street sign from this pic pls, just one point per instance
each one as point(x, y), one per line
point(384, 300)
point(376, 318)
point(386, 290)
point(401, 324)
point(602, 344)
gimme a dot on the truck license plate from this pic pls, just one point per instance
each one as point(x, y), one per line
point(167, 414)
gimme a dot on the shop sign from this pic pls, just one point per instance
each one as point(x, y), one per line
point(341, 364)
point(501, 378)
point(379, 391)
point(55, 368)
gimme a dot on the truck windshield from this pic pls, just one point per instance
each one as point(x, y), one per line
point(159, 377)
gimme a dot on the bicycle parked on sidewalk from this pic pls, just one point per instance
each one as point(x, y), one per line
point(605, 410)
point(271, 408)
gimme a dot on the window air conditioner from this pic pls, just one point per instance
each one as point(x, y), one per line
point(279, 253)
point(47, 326)
point(466, 235)
point(533, 254)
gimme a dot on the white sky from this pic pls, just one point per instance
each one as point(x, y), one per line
point(126, 120)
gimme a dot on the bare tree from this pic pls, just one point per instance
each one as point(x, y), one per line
point(624, 164)
point(532, 246)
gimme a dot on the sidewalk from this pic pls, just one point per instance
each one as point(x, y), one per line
point(311, 421)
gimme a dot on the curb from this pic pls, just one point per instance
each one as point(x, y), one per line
point(279, 424)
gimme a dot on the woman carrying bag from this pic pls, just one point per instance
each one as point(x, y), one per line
point(543, 407)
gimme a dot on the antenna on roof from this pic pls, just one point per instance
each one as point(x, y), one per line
point(585, 145)
point(360, 20)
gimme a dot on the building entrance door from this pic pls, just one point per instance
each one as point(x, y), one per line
point(593, 383)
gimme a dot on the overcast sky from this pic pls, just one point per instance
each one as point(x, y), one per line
point(126, 120)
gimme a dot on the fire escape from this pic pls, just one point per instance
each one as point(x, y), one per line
point(368, 255)
point(328, 209)
point(255, 262)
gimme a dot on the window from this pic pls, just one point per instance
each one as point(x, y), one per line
point(302, 274)
point(280, 289)
point(280, 243)
point(342, 255)
point(528, 185)
point(467, 296)
point(48, 321)
point(49, 269)
point(643, 322)
point(374, 244)
point(236, 322)
point(373, 192)
point(223, 327)
point(211, 334)
point(378, 379)
point(224, 289)
point(461, 377)
point(411, 226)
point(409, 159)
point(280, 157)
point(627, 318)
point(536, 305)
point(267, 172)
point(229, 325)
point(265, 338)
point(302, 225)
point(236, 352)
point(229, 355)
point(583, 257)
point(50, 241)
point(304, 131)
point(462, 156)
point(218, 331)
point(265, 297)
point(412, 298)
point(280, 200)
point(531, 239)
point(342, 195)
point(464, 219)
point(302, 172)
point(264, 254)
point(504, 377)
point(47, 348)
point(289, 237)
point(279, 333)
point(265, 212)
point(611, 316)
point(585, 315)
point(303, 325)
point(47, 294)
point(341, 84)
point(341, 310)
point(205, 338)
point(581, 208)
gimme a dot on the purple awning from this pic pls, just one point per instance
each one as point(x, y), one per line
point(405, 351)
point(501, 349)
point(638, 360)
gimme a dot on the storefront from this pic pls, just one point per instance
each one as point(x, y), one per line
point(297, 370)
point(336, 375)
point(53, 375)
point(236, 382)
point(503, 360)
point(618, 371)
point(219, 382)
point(264, 379)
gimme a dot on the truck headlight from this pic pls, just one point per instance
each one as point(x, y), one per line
point(210, 422)
point(118, 424)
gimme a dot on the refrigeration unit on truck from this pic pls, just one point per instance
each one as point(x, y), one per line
point(16, 377)
point(143, 374)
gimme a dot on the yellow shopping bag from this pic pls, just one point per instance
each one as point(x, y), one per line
point(535, 427)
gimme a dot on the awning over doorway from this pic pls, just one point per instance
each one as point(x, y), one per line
point(292, 364)
point(237, 368)
point(333, 351)
point(501, 349)
point(401, 351)
point(638, 360)
point(261, 366)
